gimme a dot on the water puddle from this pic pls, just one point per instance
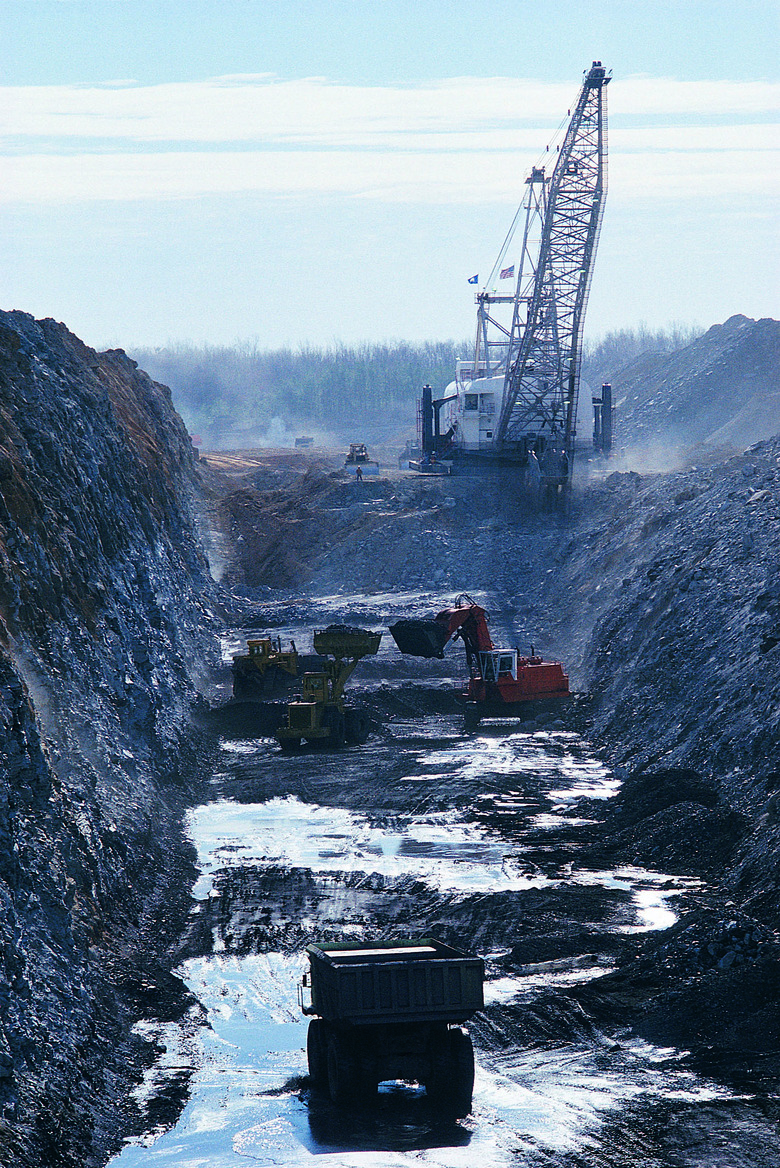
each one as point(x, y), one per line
point(247, 1100)
point(246, 1103)
point(443, 850)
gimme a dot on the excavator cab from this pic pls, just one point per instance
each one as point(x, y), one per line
point(498, 663)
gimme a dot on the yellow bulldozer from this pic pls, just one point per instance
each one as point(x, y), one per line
point(320, 714)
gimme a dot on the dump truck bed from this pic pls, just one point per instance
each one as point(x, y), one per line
point(398, 981)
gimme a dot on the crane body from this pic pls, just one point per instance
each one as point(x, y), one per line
point(515, 401)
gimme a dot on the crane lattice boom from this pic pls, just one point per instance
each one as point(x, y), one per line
point(539, 352)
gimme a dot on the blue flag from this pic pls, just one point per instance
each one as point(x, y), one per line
point(474, 279)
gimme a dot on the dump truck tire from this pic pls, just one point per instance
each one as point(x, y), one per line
point(342, 1070)
point(462, 1064)
point(437, 1083)
point(317, 1052)
point(451, 1082)
point(367, 1078)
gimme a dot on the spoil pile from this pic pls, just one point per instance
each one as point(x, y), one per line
point(722, 390)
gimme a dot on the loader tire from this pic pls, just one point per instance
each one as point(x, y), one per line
point(471, 716)
point(356, 727)
point(288, 745)
point(334, 720)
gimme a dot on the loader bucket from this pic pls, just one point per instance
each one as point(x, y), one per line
point(420, 638)
point(346, 641)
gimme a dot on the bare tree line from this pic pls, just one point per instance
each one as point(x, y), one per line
point(243, 395)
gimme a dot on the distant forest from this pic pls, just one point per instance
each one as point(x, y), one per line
point(230, 397)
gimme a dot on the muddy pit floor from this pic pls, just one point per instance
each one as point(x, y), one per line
point(483, 840)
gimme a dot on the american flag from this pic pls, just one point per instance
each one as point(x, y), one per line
point(507, 272)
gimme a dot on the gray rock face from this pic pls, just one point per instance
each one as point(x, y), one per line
point(723, 389)
point(103, 616)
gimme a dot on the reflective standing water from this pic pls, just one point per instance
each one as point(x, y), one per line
point(433, 822)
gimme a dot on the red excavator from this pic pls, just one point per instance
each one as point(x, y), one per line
point(502, 683)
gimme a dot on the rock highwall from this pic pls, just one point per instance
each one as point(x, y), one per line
point(674, 587)
point(104, 616)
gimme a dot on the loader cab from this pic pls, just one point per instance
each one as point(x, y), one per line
point(315, 687)
point(498, 663)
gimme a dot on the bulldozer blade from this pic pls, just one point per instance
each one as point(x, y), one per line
point(420, 638)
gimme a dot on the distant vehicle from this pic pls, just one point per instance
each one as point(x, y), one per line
point(392, 1010)
point(502, 682)
point(358, 456)
point(357, 452)
point(266, 669)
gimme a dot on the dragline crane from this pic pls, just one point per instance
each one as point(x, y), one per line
point(517, 399)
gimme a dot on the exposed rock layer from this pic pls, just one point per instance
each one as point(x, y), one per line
point(102, 589)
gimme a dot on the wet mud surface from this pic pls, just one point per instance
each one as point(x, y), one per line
point(494, 841)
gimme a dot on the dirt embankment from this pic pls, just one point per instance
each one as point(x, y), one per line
point(104, 606)
point(722, 390)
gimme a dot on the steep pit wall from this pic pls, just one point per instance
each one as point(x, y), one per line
point(681, 648)
point(104, 622)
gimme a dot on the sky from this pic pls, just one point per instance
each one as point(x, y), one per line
point(316, 172)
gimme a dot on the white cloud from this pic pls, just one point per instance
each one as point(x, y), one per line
point(462, 140)
point(398, 176)
point(314, 111)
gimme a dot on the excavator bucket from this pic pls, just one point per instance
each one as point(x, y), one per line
point(420, 638)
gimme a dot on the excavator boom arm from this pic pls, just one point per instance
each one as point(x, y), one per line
point(428, 638)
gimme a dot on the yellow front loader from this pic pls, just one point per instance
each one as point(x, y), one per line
point(320, 715)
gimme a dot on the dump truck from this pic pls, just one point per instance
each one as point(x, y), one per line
point(320, 715)
point(392, 1010)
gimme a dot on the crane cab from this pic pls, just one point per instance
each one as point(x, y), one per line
point(473, 412)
